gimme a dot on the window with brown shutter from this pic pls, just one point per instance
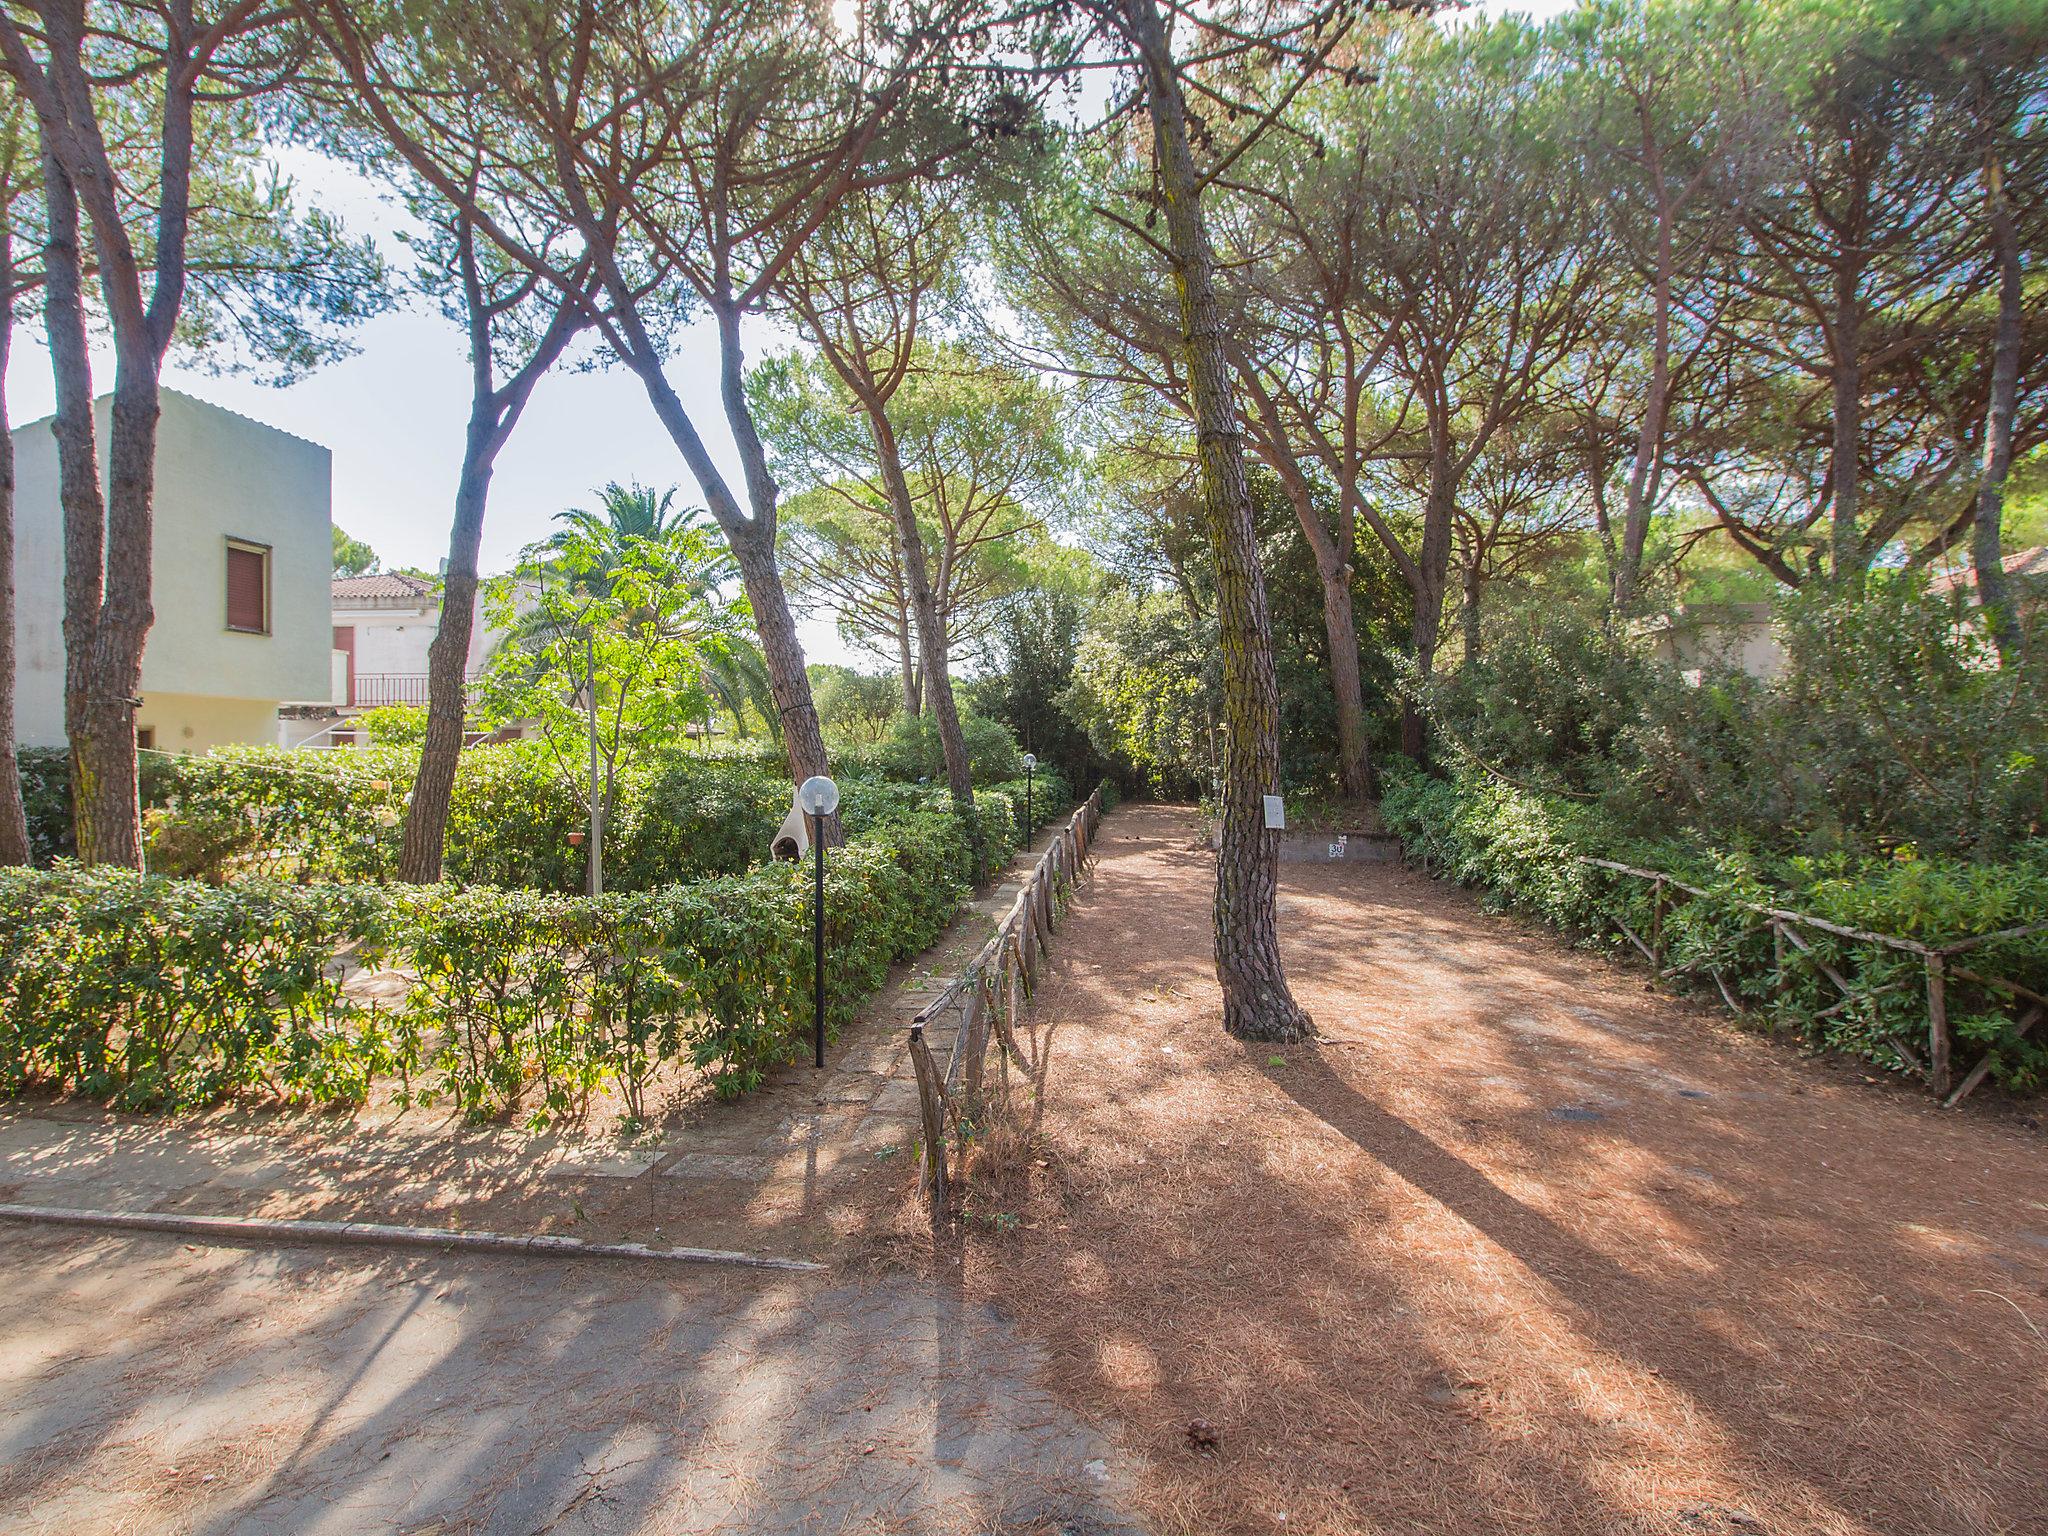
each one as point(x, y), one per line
point(249, 588)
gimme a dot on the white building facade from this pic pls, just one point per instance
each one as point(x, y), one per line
point(243, 555)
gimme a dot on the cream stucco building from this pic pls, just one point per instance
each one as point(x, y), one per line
point(242, 561)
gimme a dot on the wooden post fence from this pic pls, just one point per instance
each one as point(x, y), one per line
point(990, 996)
point(1792, 939)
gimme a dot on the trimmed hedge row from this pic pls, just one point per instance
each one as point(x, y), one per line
point(337, 816)
point(160, 993)
point(1526, 849)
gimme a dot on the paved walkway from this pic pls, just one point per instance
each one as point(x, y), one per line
point(152, 1386)
point(150, 1383)
point(778, 1171)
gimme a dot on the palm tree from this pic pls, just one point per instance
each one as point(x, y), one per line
point(592, 546)
point(735, 674)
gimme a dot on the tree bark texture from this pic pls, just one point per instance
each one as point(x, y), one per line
point(1640, 496)
point(1257, 1003)
point(1432, 578)
point(105, 817)
point(426, 814)
point(1987, 555)
point(931, 628)
point(13, 817)
point(1340, 630)
point(1846, 464)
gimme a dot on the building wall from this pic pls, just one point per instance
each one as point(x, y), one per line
point(393, 640)
point(219, 476)
point(198, 722)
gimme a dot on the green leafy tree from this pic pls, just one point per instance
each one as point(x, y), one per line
point(352, 557)
point(607, 635)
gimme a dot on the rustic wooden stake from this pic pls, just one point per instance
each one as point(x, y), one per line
point(1778, 969)
point(974, 1047)
point(931, 1103)
point(1937, 1026)
point(1657, 926)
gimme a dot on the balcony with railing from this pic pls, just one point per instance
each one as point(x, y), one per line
point(368, 690)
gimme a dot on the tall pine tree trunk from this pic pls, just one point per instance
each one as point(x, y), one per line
point(1845, 459)
point(933, 662)
point(1340, 629)
point(13, 817)
point(1432, 578)
point(1987, 555)
point(78, 467)
point(751, 538)
point(1640, 496)
point(1257, 1003)
point(421, 854)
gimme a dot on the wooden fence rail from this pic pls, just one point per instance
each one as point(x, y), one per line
point(1789, 932)
point(989, 996)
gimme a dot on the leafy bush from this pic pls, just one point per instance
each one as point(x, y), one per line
point(912, 750)
point(271, 810)
point(694, 817)
point(510, 820)
point(396, 725)
point(1528, 848)
point(1891, 726)
point(155, 992)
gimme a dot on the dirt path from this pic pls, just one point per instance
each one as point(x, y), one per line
point(1522, 1247)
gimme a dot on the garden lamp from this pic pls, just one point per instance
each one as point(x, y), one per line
point(818, 796)
point(1030, 764)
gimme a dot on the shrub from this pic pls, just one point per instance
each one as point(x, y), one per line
point(274, 811)
point(912, 750)
point(1890, 725)
point(163, 993)
point(1528, 849)
point(695, 817)
point(510, 820)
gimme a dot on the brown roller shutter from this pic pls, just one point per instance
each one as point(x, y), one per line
point(248, 584)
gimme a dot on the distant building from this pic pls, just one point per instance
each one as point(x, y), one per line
point(243, 552)
point(2026, 573)
point(382, 626)
point(1719, 634)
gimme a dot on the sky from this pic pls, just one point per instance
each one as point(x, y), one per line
point(394, 414)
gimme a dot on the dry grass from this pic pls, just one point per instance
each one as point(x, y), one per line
point(1519, 1247)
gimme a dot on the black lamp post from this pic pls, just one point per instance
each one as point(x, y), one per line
point(819, 798)
point(1030, 766)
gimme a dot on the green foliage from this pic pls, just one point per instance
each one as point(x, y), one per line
point(1889, 726)
point(1147, 689)
point(396, 725)
point(352, 557)
point(612, 625)
point(856, 709)
point(510, 819)
point(272, 811)
point(1526, 848)
point(912, 749)
point(161, 993)
point(695, 817)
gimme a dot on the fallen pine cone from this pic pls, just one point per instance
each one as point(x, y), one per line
point(1204, 1437)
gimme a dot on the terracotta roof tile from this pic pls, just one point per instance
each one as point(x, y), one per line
point(385, 584)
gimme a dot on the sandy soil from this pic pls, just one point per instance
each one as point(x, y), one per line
point(1523, 1245)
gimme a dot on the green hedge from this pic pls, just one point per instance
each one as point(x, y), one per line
point(310, 816)
point(155, 992)
point(1527, 848)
